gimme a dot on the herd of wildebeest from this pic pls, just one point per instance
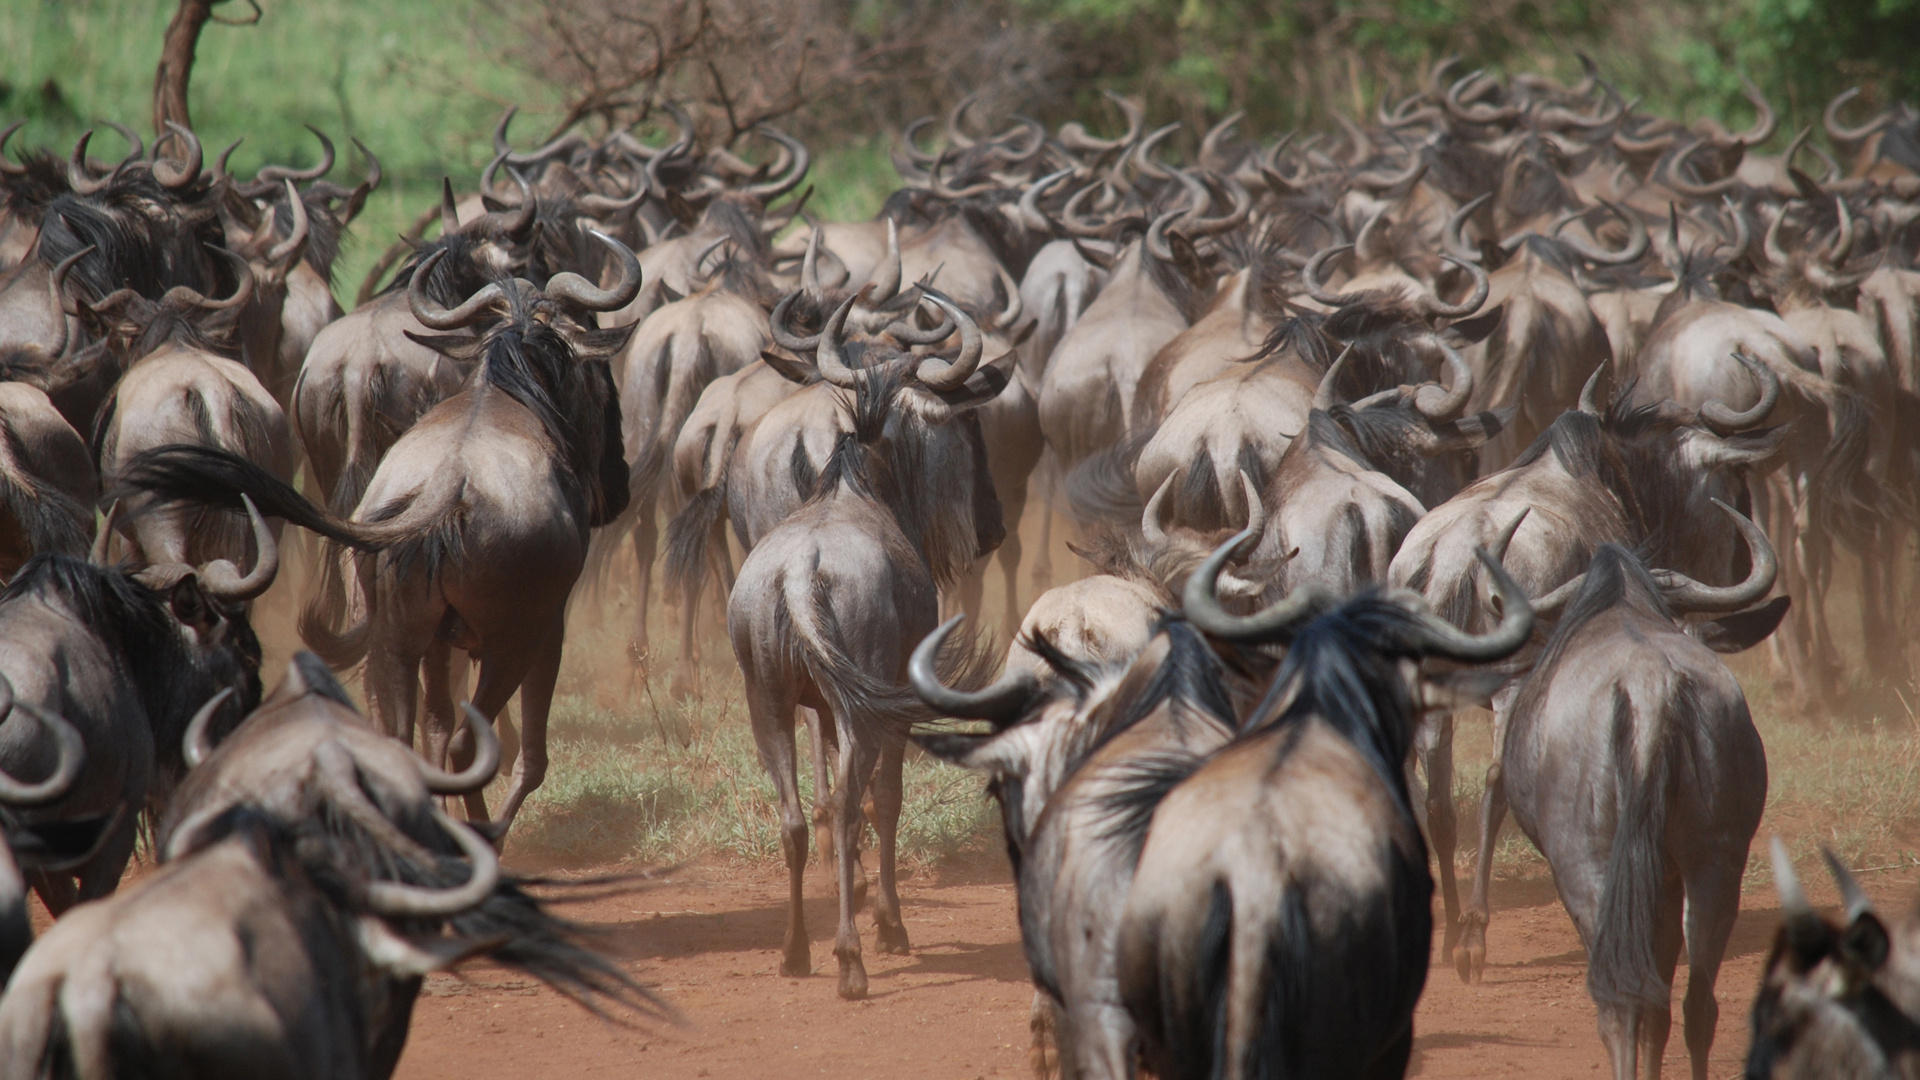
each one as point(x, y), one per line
point(1513, 396)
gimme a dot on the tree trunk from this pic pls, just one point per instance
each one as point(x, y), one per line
point(176, 64)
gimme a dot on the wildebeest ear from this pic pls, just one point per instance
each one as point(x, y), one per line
point(54, 846)
point(1475, 330)
point(601, 343)
point(1743, 629)
point(790, 370)
point(454, 345)
point(981, 387)
point(668, 294)
point(1461, 689)
point(1101, 259)
point(1864, 946)
point(958, 748)
point(1475, 430)
point(1745, 448)
point(1026, 331)
point(189, 603)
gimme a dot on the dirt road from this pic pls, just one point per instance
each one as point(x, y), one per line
point(957, 1007)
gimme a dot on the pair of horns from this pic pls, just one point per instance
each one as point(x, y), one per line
point(567, 286)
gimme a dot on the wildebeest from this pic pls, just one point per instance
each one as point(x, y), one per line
point(1071, 760)
point(1641, 475)
point(1837, 1002)
point(290, 927)
point(1630, 760)
point(24, 848)
point(1280, 917)
point(475, 525)
point(826, 601)
point(127, 662)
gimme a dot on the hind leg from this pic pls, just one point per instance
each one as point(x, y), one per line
point(536, 700)
point(854, 767)
point(770, 709)
point(1435, 746)
point(1470, 954)
point(1043, 547)
point(1712, 905)
point(891, 929)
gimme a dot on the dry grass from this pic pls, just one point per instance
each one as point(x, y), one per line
point(638, 776)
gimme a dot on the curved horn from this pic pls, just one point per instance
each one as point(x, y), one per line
point(826, 354)
point(1845, 136)
point(435, 317)
point(288, 251)
point(8, 168)
point(72, 751)
point(1446, 402)
point(1256, 510)
point(1742, 236)
point(1637, 240)
point(1377, 182)
point(785, 338)
point(1156, 240)
point(956, 138)
point(884, 285)
point(583, 294)
point(1029, 206)
point(1240, 207)
point(58, 297)
point(1001, 704)
point(1770, 244)
point(802, 160)
point(181, 295)
point(810, 269)
point(102, 540)
point(1856, 898)
point(1793, 899)
point(1431, 304)
point(939, 373)
point(1323, 398)
point(1684, 594)
point(1475, 114)
point(1368, 245)
point(1589, 392)
point(486, 760)
point(1015, 306)
point(281, 172)
point(605, 206)
point(517, 224)
point(1843, 235)
point(395, 900)
point(175, 177)
point(1440, 638)
point(1200, 602)
point(79, 178)
point(1764, 121)
point(1697, 190)
point(449, 210)
point(1074, 136)
point(219, 577)
point(1143, 153)
point(1310, 277)
point(1451, 238)
point(1724, 421)
point(1151, 531)
point(1210, 143)
point(195, 746)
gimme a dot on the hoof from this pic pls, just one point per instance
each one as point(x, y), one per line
point(797, 964)
point(1470, 963)
point(853, 979)
point(892, 939)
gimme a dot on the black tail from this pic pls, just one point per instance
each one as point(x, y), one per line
point(1101, 488)
point(690, 532)
point(1622, 970)
point(213, 477)
point(1845, 497)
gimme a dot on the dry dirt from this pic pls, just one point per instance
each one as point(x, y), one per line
point(707, 937)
